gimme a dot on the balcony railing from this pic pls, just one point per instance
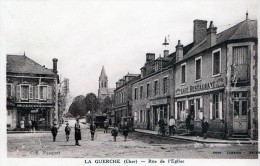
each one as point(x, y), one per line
point(240, 73)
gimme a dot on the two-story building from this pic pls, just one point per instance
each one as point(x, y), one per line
point(123, 97)
point(217, 79)
point(32, 94)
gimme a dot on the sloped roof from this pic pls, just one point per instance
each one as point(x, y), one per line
point(243, 30)
point(24, 65)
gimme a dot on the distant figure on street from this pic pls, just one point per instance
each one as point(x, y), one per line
point(114, 132)
point(125, 130)
point(192, 124)
point(187, 121)
point(30, 125)
point(67, 131)
point(172, 126)
point(22, 125)
point(105, 126)
point(162, 126)
point(77, 133)
point(92, 130)
point(205, 127)
point(54, 131)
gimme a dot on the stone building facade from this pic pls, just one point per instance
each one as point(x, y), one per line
point(217, 78)
point(123, 97)
point(32, 94)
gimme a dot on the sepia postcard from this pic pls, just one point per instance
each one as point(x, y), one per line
point(129, 82)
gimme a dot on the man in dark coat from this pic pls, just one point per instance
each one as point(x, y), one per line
point(92, 130)
point(125, 130)
point(205, 127)
point(54, 131)
point(162, 126)
point(77, 133)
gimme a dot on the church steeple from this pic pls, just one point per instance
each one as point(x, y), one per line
point(103, 73)
point(103, 84)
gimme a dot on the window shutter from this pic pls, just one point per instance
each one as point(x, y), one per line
point(220, 106)
point(36, 92)
point(18, 90)
point(12, 90)
point(30, 92)
point(210, 106)
point(49, 92)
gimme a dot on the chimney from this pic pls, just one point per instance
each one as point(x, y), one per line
point(199, 31)
point(179, 51)
point(165, 53)
point(150, 57)
point(55, 65)
point(212, 34)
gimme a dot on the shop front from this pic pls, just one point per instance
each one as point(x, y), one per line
point(159, 109)
point(34, 116)
point(198, 101)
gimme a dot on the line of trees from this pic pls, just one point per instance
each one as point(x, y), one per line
point(81, 105)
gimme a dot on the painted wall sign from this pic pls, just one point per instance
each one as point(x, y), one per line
point(200, 87)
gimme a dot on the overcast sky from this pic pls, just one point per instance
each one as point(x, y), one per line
point(85, 35)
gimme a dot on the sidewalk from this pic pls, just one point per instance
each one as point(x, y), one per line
point(199, 139)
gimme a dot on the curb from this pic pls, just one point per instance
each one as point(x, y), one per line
point(201, 141)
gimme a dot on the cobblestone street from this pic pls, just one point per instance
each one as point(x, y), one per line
point(35, 145)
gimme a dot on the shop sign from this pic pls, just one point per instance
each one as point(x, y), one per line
point(34, 111)
point(200, 87)
point(33, 105)
point(159, 101)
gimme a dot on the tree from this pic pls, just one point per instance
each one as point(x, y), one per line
point(106, 105)
point(78, 106)
point(92, 103)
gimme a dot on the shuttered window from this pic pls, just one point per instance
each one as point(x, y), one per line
point(240, 63)
point(8, 90)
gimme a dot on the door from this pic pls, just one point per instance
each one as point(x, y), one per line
point(240, 112)
point(148, 120)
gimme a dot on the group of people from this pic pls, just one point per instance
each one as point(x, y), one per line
point(114, 132)
point(125, 129)
point(189, 126)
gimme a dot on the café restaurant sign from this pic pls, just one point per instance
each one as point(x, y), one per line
point(200, 87)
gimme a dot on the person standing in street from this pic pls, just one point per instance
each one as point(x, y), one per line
point(67, 131)
point(105, 126)
point(54, 131)
point(125, 130)
point(92, 130)
point(77, 133)
point(172, 126)
point(205, 127)
point(114, 132)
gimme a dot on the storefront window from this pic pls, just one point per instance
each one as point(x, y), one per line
point(181, 110)
point(215, 106)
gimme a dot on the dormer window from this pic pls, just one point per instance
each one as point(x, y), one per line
point(156, 67)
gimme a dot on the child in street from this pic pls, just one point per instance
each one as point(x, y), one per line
point(54, 131)
point(67, 131)
point(114, 132)
point(125, 130)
